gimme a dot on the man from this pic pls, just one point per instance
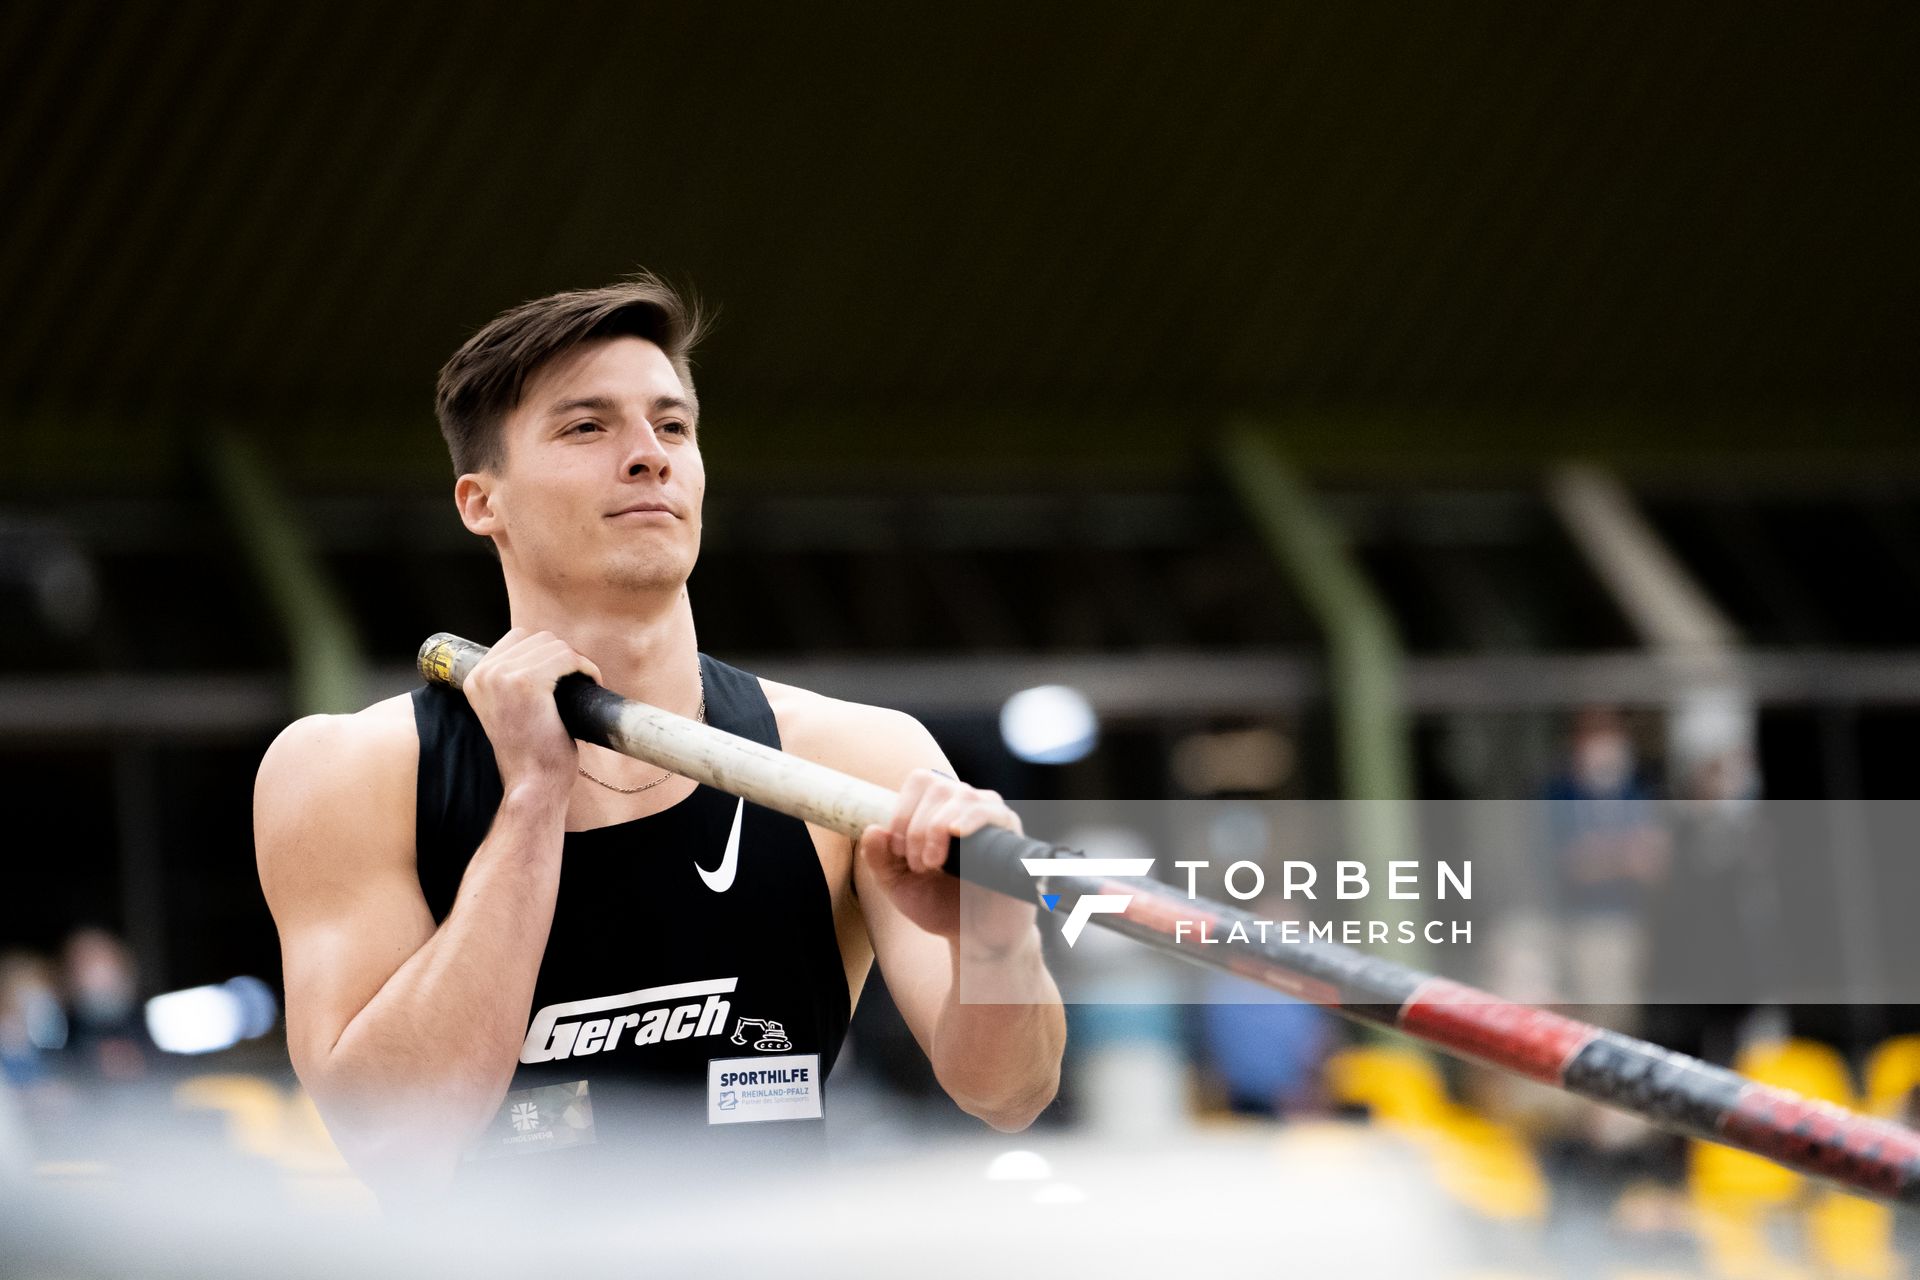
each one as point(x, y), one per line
point(488, 929)
point(1610, 854)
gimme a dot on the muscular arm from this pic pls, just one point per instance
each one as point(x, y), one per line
point(999, 1062)
point(405, 1034)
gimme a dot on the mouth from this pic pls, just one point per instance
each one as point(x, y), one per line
point(643, 511)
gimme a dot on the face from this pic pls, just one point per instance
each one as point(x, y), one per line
point(602, 481)
point(1603, 758)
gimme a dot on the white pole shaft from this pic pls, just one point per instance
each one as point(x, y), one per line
point(779, 781)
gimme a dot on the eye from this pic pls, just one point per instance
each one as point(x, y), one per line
point(582, 427)
point(677, 428)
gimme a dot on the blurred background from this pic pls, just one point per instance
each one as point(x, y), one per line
point(1448, 401)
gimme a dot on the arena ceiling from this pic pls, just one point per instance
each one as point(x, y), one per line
point(994, 218)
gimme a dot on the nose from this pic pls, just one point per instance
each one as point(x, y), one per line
point(646, 456)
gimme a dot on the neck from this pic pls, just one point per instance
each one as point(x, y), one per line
point(644, 644)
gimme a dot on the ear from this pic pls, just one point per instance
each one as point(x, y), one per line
point(473, 495)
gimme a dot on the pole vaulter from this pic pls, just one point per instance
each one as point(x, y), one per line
point(1668, 1089)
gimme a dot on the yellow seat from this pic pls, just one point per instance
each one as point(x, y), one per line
point(1397, 1086)
point(1481, 1163)
point(1893, 1071)
point(253, 1107)
point(1735, 1192)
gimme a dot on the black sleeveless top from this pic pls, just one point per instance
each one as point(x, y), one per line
point(692, 997)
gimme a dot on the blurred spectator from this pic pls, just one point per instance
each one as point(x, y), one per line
point(32, 1025)
point(107, 1040)
point(1724, 871)
point(1268, 1051)
point(1609, 851)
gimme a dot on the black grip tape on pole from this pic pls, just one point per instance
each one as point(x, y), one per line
point(588, 710)
point(990, 857)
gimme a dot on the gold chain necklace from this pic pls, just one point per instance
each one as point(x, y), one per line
point(700, 715)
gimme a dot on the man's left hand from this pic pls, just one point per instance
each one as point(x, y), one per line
point(907, 856)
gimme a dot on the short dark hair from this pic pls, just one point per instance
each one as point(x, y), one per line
point(483, 381)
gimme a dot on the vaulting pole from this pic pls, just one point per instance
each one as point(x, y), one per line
point(1668, 1089)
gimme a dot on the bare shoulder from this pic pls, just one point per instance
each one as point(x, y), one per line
point(322, 749)
point(328, 776)
point(876, 743)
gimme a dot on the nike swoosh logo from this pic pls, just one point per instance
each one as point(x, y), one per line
point(721, 880)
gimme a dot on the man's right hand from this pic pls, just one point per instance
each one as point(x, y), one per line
point(511, 690)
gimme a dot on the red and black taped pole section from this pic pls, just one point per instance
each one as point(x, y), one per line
point(1668, 1089)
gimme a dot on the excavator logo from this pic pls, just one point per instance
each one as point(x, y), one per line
point(773, 1035)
